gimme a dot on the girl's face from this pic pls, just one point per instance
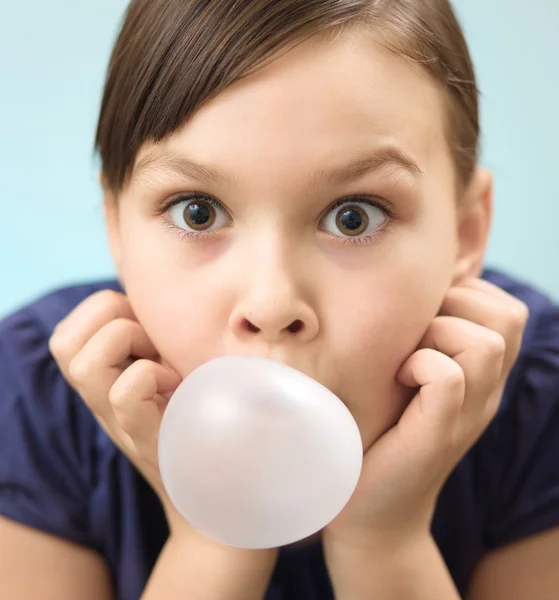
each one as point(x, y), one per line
point(306, 215)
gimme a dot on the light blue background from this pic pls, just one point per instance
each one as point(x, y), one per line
point(53, 57)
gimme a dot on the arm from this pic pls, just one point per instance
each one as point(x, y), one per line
point(37, 565)
point(391, 572)
point(456, 379)
point(108, 358)
point(192, 567)
point(527, 569)
point(41, 566)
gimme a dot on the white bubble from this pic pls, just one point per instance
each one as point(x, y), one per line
point(256, 454)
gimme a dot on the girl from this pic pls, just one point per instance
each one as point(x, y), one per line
point(298, 180)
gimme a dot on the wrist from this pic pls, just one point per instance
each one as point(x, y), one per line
point(187, 536)
point(194, 566)
point(363, 568)
point(374, 543)
point(181, 532)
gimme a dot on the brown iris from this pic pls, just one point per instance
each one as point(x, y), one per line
point(352, 220)
point(199, 215)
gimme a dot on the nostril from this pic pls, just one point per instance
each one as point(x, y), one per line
point(250, 326)
point(296, 326)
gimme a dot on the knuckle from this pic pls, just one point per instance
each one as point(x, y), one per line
point(122, 407)
point(128, 385)
point(78, 369)
point(127, 324)
point(107, 297)
point(452, 294)
point(518, 314)
point(144, 365)
point(107, 300)
point(455, 379)
point(119, 326)
point(57, 345)
point(495, 345)
point(118, 397)
point(140, 371)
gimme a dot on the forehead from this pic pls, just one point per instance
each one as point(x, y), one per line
point(321, 98)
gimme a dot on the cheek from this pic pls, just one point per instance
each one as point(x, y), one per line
point(378, 317)
point(380, 322)
point(371, 321)
point(374, 335)
point(175, 302)
point(183, 321)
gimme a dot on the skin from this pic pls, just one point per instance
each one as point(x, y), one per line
point(399, 326)
point(315, 108)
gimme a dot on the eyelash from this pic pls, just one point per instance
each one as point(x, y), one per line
point(357, 199)
point(362, 199)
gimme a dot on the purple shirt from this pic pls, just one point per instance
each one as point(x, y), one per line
point(60, 473)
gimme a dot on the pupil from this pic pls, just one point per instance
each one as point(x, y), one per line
point(352, 220)
point(199, 214)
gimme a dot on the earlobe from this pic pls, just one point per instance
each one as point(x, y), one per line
point(474, 222)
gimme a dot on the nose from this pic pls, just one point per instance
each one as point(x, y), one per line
point(273, 325)
point(273, 307)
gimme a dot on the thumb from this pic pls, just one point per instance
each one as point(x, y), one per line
point(424, 435)
point(441, 391)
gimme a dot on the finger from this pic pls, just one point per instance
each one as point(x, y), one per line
point(477, 350)
point(486, 286)
point(138, 398)
point(427, 430)
point(72, 333)
point(442, 384)
point(505, 315)
point(94, 370)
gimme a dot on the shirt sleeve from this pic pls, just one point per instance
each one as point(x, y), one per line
point(520, 461)
point(46, 436)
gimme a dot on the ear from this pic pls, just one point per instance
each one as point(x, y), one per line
point(474, 223)
point(110, 209)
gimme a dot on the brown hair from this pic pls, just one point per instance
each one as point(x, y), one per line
point(173, 56)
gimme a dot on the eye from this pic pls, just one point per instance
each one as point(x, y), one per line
point(198, 214)
point(354, 218)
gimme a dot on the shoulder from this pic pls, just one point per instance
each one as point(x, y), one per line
point(518, 452)
point(24, 335)
point(49, 440)
point(46, 311)
point(517, 466)
point(506, 488)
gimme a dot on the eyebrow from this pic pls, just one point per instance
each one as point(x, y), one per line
point(344, 174)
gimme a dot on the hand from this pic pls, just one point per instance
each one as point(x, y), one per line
point(460, 369)
point(107, 357)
